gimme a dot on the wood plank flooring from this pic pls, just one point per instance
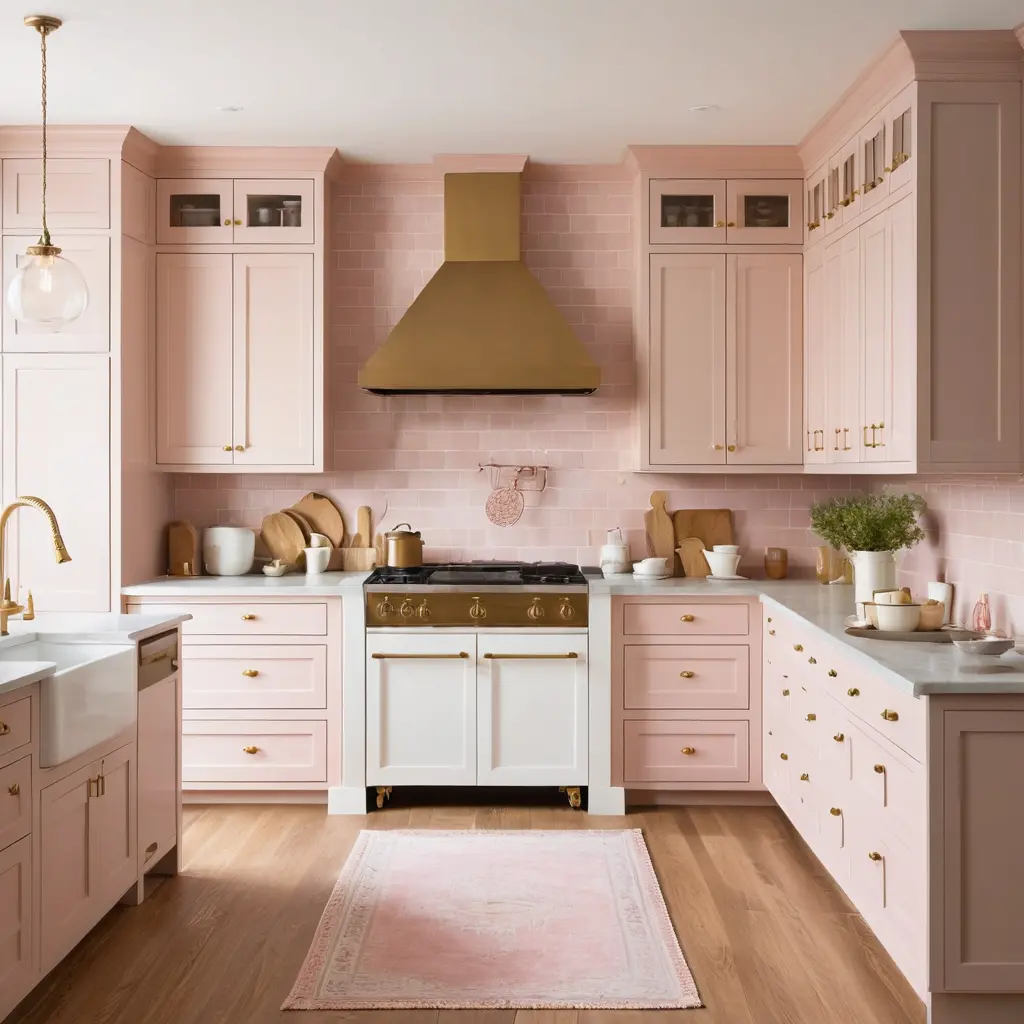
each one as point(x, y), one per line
point(768, 936)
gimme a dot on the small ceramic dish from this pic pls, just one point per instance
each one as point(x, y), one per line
point(897, 618)
point(277, 568)
point(932, 616)
point(986, 645)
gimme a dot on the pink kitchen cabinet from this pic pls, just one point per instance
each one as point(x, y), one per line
point(56, 430)
point(816, 188)
point(278, 211)
point(765, 211)
point(159, 769)
point(687, 351)
point(77, 194)
point(17, 959)
point(687, 210)
point(764, 350)
point(192, 210)
point(815, 356)
point(843, 441)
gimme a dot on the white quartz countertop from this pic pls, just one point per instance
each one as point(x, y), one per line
point(74, 627)
point(296, 585)
point(917, 668)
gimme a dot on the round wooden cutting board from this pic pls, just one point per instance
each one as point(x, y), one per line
point(323, 516)
point(283, 537)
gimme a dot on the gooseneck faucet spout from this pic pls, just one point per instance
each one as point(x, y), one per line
point(10, 607)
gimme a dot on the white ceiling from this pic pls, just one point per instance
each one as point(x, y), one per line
point(400, 80)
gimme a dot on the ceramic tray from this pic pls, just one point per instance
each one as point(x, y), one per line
point(928, 636)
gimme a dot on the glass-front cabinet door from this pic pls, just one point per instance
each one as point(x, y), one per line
point(194, 210)
point(817, 198)
point(901, 138)
point(274, 210)
point(765, 211)
point(875, 184)
point(685, 210)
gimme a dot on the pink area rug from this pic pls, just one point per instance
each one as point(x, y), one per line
point(489, 919)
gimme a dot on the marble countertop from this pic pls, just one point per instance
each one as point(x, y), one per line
point(326, 584)
point(917, 668)
point(74, 627)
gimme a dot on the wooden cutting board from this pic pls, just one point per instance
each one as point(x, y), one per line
point(283, 537)
point(323, 516)
point(712, 525)
point(661, 540)
point(303, 523)
point(691, 555)
point(363, 537)
point(182, 549)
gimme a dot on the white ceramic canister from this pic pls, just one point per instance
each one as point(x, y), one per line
point(943, 592)
point(873, 570)
point(228, 550)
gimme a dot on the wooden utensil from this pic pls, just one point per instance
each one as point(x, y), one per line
point(182, 549)
point(323, 516)
point(283, 537)
point(712, 525)
point(363, 536)
point(661, 540)
point(691, 555)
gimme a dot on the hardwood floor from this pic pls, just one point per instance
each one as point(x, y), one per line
point(769, 937)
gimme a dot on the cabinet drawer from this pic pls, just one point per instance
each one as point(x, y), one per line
point(254, 676)
point(686, 619)
point(15, 801)
point(250, 618)
point(686, 676)
point(654, 752)
point(889, 792)
point(254, 751)
point(15, 725)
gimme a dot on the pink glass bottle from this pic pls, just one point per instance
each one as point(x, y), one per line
point(982, 620)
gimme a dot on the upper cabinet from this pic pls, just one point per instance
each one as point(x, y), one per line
point(216, 210)
point(685, 211)
point(77, 194)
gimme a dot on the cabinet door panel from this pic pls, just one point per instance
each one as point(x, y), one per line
point(532, 710)
point(275, 384)
point(815, 356)
point(91, 331)
point(77, 194)
point(876, 366)
point(274, 211)
point(687, 360)
point(421, 710)
point(158, 770)
point(194, 210)
point(193, 350)
point(687, 210)
point(56, 422)
point(769, 211)
point(764, 342)
point(842, 273)
point(113, 829)
point(17, 962)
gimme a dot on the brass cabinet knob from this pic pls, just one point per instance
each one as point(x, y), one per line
point(832, 673)
point(686, 674)
point(812, 660)
point(686, 618)
point(717, 447)
point(239, 447)
point(14, 789)
point(688, 750)
point(227, 448)
point(5, 729)
point(227, 222)
point(719, 223)
point(880, 768)
point(731, 447)
point(890, 716)
point(238, 223)
point(250, 673)
point(874, 856)
point(785, 693)
point(834, 811)
point(804, 777)
point(812, 717)
point(784, 757)
point(798, 647)
point(853, 692)
point(769, 619)
point(251, 750)
point(730, 223)
point(839, 737)
point(771, 632)
point(248, 617)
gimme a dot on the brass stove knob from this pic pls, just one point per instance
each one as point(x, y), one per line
point(477, 610)
point(423, 611)
point(385, 608)
point(566, 610)
point(536, 610)
point(406, 611)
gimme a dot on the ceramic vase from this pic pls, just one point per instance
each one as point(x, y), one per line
point(873, 570)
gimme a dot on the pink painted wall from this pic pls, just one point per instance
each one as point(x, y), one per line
point(417, 457)
point(975, 539)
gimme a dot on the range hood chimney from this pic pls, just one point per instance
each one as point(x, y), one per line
point(483, 324)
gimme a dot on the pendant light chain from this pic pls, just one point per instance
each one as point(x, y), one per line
point(43, 33)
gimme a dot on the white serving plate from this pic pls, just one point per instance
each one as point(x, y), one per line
point(727, 578)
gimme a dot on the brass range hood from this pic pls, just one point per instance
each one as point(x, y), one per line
point(483, 324)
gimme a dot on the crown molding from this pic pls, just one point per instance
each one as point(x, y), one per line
point(255, 161)
point(477, 163)
point(141, 152)
point(63, 140)
point(713, 161)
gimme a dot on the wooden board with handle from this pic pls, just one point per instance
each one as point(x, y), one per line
point(182, 549)
point(661, 541)
point(363, 537)
point(712, 525)
point(283, 537)
point(302, 522)
point(323, 517)
point(691, 555)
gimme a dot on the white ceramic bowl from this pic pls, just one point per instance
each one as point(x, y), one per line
point(726, 549)
point(228, 550)
point(651, 566)
point(986, 645)
point(897, 618)
point(722, 563)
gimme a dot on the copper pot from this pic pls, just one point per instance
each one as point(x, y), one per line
point(404, 547)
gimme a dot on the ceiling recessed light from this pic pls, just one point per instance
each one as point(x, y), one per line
point(704, 108)
point(230, 109)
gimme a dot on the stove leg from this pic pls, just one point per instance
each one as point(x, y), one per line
point(383, 793)
point(574, 795)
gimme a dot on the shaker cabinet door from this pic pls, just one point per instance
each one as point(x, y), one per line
point(193, 352)
point(815, 358)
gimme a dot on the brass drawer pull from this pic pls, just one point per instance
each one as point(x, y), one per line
point(526, 657)
point(785, 693)
point(14, 789)
point(798, 647)
point(839, 737)
point(250, 673)
point(687, 674)
point(874, 856)
point(804, 777)
point(771, 632)
point(5, 729)
point(248, 617)
point(891, 716)
point(853, 692)
point(151, 849)
point(812, 717)
point(835, 812)
point(251, 750)
point(832, 673)
point(689, 750)
point(785, 757)
point(812, 660)
point(880, 768)
point(769, 618)
point(686, 618)
point(418, 657)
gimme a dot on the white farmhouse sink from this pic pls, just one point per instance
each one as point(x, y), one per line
point(91, 697)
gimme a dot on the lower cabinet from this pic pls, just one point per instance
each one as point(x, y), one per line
point(158, 770)
point(469, 709)
point(17, 970)
point(88, 830)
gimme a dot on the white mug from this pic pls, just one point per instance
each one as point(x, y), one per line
point(317, 560)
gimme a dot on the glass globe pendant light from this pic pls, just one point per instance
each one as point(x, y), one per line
point(46, 288)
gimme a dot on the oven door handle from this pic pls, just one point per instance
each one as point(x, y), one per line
point(531, 657)
point(419, 657)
